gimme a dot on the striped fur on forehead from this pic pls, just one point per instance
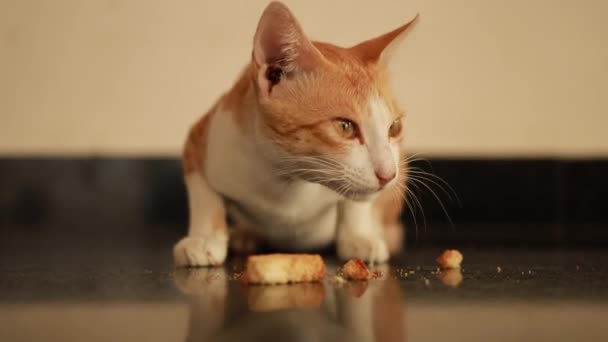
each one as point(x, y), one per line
point(341, 87)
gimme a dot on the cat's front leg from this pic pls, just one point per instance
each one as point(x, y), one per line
point(207, 240)
point(360, 234)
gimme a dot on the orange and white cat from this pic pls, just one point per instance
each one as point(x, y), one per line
point(304, 151)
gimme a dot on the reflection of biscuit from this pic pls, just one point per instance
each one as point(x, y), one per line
point(451, 258)
point(284, 297)
point(450, 277)
point(284, 268)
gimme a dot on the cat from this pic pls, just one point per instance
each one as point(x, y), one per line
point(304, 151)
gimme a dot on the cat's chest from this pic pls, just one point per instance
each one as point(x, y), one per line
point(290, 207)
point(240, 175)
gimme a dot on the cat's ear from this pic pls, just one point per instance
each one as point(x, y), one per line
point(381, 48)
point(280, 46)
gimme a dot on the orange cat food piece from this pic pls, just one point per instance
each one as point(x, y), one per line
point(355, 269)
point(451, 258)
point(284, 268)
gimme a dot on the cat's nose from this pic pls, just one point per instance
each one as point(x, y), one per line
point(385, 177)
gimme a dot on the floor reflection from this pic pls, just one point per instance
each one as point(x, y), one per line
point(221, 309)
point(450, 277)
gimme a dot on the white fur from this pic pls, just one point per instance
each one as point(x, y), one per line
point(200, 195)
point(359, 234)
point(205, 245)
point(383, 155)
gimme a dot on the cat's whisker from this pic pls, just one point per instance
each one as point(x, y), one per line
point(418, 171)
point(415, 203)
point(314, 159)
point(423, 176)
point(399, 193)
point(412, 158)
point(342, 189)
point(419, 204)
point(415, 158)
point(303, 171)
point(415, 180)
point(311, 162)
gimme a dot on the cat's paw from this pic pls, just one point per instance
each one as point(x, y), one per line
point(196, 251)
point(366, 248)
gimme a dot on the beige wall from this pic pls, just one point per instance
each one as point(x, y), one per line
point(478, 77)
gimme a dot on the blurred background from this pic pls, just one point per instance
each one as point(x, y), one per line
point(506, 101)
point(478, 78)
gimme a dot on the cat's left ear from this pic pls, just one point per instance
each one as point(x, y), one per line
point(381, 48)
point(280, 47)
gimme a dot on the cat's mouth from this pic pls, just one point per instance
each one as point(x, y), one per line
point(350, 190)
point(360, 195)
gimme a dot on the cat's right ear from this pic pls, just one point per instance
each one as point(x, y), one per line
point(280, 47)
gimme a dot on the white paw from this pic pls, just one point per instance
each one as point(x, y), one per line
point(367, 248)
point(196, 251)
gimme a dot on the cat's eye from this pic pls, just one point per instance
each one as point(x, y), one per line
point(395, 129)
point(346, 128)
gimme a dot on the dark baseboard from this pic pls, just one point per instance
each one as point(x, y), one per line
point(501, 200)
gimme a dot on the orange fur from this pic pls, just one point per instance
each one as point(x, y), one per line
point(195, 147)
point(240, 100)
point(339, 87)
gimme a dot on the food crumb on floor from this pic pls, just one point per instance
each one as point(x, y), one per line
point(450, 258)
point(355, 269)
point(338, 280)
point(498, 269)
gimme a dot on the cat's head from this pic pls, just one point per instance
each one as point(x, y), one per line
point(328, 110)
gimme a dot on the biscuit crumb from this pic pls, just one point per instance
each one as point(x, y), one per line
point(377, 274)
point(450, 259)
point(338, 280)
point(283, 269)
point(355, 269)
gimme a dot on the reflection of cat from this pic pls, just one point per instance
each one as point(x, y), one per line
point(304, 150)
point(222, 310)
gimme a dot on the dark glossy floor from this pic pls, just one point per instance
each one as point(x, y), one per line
point(108, 288)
